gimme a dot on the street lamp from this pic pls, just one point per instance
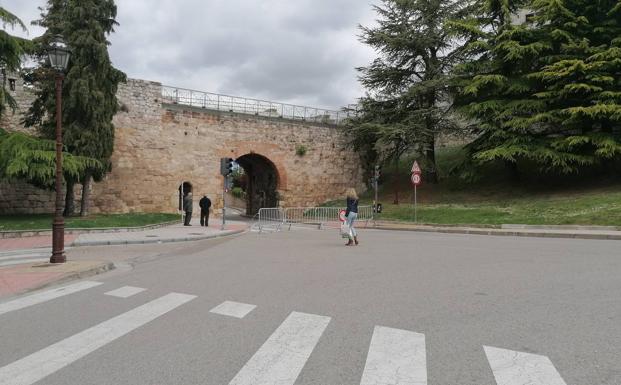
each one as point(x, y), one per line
point(59, 58)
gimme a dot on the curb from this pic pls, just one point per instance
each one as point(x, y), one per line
point(95, 230)
point(155, 240)
point(505, 233)
point(104, 267)
point(559, 227)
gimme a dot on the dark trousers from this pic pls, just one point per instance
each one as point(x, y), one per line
point(204, 217)
point(188, 218)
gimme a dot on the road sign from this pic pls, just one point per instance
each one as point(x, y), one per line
point(417, 180)
point(342, 215)
point(416, 168)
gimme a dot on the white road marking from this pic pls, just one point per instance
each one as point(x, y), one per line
point(517, 368)
point(37, 298)
point(125, 291)
point(396, 357)
point(233, 309)
point(25, 256)
point(281, 358)
point(41, 364)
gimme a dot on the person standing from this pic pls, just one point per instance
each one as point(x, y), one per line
point(187, 207)
point(205, 204)
point(350, 216)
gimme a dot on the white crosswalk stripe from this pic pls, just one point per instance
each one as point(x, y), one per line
point(233, 309)
point(517, 368)
point(396, 357)
point(125, 291)
point(41, 364)
point(44, 296)
point(281, 358)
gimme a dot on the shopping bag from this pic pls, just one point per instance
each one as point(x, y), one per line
point(345, 230)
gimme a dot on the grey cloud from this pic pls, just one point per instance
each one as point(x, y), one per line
point(301, 51)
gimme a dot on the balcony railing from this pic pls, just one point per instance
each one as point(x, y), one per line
point(256, 107)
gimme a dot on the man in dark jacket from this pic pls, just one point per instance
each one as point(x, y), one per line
point(187, 207)
point(205, 204)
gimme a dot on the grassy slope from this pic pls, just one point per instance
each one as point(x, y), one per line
point(37, 222)
point(494, 200)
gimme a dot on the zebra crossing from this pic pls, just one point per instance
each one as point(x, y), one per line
point(394, 356)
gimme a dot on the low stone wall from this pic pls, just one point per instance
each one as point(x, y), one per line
point(17, 197)
point(21, 198)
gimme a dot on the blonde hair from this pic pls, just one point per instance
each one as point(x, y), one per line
point(351, 193)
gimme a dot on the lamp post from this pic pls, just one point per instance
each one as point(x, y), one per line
point(59, 58)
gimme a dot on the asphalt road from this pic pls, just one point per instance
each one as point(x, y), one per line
point(401, 308)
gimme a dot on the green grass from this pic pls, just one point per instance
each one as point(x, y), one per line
point(589, 209)
point(538, 199)
point(42, 222)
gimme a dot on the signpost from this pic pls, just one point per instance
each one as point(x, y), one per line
point(417, 180)
point(226, 168)
point(376, 176)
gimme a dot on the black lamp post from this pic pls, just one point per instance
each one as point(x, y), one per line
point(59, 58)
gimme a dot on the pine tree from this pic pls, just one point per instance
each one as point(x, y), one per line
point(418, 46)
point(90, 86)
point(548, 91)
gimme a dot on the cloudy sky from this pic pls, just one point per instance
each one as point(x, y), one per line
point(294, 51)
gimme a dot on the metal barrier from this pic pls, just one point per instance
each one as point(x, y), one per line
point(275, 218)
point(269, 219)
point(255, 107)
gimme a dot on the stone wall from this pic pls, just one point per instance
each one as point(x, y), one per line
point(21, 198)
point(24, 96)
point(159, 145)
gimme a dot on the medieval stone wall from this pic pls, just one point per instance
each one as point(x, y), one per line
point(24, 96)
point(160, 145)
point(18, 197)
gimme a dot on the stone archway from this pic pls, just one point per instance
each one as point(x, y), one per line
point(262, 182)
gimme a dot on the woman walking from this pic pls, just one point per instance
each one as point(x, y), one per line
point(351, 214)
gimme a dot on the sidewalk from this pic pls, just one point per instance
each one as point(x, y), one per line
point(24, 266)
point(574, 232)
point(21, 278)
point(173, 233)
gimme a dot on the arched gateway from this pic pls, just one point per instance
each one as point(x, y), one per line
point(261, 182)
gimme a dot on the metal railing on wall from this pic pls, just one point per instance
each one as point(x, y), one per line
point(241, 105)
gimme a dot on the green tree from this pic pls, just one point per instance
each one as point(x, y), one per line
point(548, 91)
point(33, 160)
point(408, 98)
point(12, 49)
point(91, 83)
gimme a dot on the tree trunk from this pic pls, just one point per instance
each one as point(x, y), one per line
point(69, 199)
point(86, 194)
point(430, 162)
point(396, 181)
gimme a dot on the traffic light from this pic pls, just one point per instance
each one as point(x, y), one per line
point(226, 166)
point(376, 174)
